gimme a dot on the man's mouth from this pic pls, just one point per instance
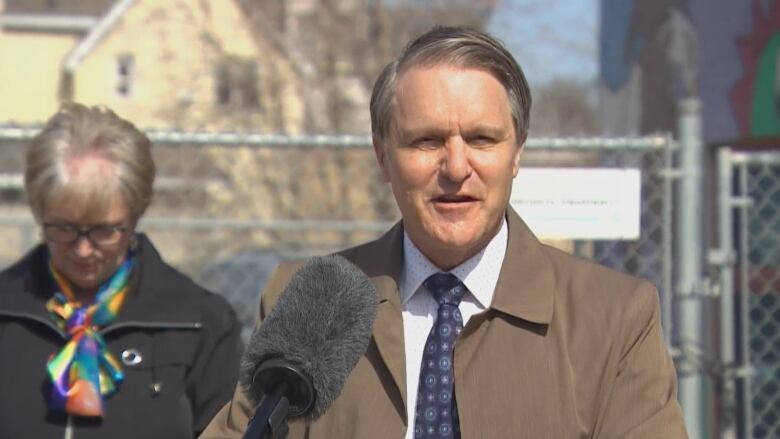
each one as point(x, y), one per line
point(453, 199)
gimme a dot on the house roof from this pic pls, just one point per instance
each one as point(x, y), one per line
point(53, 15)
point(96, 34)
point(57, 8)
point(47, 23)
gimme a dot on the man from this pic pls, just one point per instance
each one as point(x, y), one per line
point(534, 343)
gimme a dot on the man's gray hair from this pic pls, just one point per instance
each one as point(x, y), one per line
point(460, 47)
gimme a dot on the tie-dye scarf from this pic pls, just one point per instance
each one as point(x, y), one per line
point(84, 371)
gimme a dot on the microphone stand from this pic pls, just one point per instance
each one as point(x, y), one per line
point(287, 392)
point(270, 419)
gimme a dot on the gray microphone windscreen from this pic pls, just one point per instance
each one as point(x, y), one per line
point(321, 323)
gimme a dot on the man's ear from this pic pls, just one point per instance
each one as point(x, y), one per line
point(516, 157)
point(381, 157)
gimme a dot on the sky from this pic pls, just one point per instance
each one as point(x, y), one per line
point(550, 38)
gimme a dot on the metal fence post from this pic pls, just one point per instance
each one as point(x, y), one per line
point(667, 302)
point(746, 392)
point(689, 256)
point(726, 260)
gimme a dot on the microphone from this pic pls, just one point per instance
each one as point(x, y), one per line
point(298, 360)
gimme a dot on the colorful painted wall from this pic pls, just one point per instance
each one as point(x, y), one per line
point(725, 51)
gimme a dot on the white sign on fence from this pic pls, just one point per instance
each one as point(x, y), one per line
point(571, 203)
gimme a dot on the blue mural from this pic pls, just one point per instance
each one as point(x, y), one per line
point(652, 53)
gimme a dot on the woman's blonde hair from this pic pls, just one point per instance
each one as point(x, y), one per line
point(75, 132)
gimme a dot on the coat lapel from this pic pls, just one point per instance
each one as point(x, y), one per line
point(382, 261)
point(507, 378)
point(523, 290)
point(526, 281)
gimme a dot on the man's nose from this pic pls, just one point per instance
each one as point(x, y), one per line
point(455, 165)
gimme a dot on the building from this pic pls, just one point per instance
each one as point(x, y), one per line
point(182, 65)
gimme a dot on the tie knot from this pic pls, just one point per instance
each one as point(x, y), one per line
point(446, 288)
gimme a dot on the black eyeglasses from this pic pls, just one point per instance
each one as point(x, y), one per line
point(99, 235)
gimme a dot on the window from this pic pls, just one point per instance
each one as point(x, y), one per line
point(125, 65)
point(236, 82)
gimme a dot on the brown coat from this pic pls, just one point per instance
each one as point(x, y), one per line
point(567, 349)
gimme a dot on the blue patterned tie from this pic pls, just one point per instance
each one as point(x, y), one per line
point(436, 414)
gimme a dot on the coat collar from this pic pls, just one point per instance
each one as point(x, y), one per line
point(153, 297)
point(26, 286)
point(524, 290)
point(526, 281)
point(382, 261)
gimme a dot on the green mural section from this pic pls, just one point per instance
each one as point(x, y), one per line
point(765, 108)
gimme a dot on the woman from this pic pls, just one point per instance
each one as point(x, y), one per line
point(99, 338)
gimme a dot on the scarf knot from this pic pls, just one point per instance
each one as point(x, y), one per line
point(85, 371)
point(79, 323)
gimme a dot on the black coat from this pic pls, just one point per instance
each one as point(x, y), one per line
point(187, 338)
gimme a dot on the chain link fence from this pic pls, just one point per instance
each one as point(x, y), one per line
point(756, 182)
point(229, 207)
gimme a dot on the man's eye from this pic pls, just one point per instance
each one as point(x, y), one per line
point(426, 142)
point(482, 141)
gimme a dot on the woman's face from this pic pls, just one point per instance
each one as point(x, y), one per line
point(87, 254)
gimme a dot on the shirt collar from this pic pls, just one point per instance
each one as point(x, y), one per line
point(479, 273)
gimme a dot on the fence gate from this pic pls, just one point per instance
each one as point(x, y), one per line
point(749, 230)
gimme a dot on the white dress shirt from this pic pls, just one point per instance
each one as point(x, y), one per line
point(418, 307)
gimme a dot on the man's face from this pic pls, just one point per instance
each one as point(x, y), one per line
point(450, 157)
